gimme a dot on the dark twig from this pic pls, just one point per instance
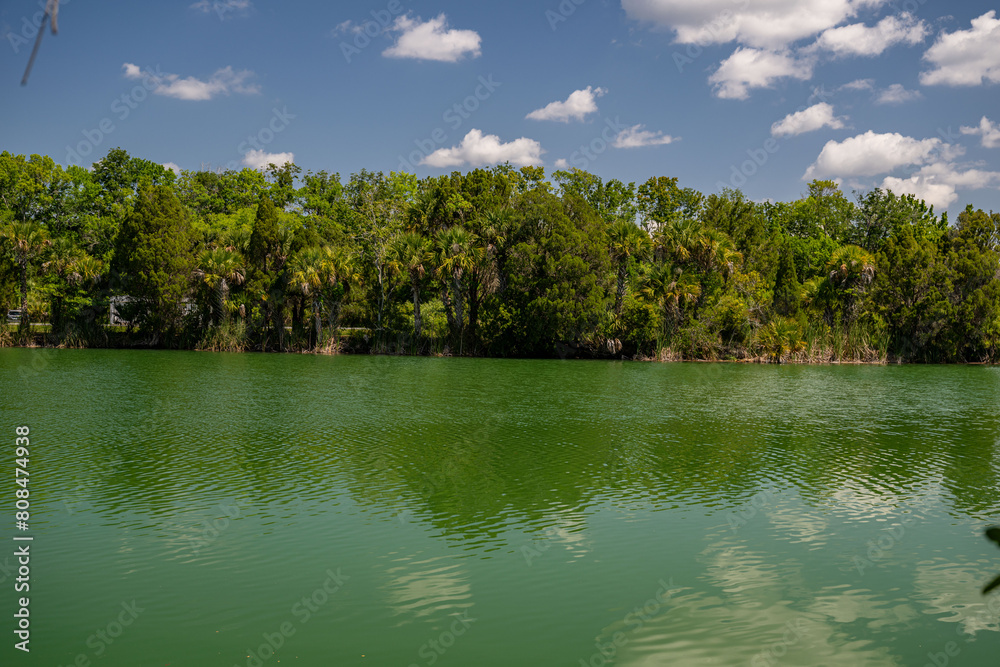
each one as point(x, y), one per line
point(51, 11)
point(994, 535)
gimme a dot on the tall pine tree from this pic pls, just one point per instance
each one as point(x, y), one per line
point(786, 285)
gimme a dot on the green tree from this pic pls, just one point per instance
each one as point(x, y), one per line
point(413, 257)
point(880, 214)
point(26, 240)
point(264, 242)
point(379, 206)
point(660, 201)
point(310, 274)
point(787, 287)
point(122, 178)
point(850, 271)
point(457, 255)
point(342, 276)
point(154, 256)
point(626, 242)
point(219, 268)
point(557, 273)
point(672, 290)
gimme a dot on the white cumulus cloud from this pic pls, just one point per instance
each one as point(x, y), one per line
point(897, 94)
point(813, 118)
point(988, 130)
point(637, 137)
point(478, 150)
point(432, 40)
point(750, 68)
point(172, 166)
point(966, 57)
point(577, 106)
point(258, 159)
point(223, 82)
point(768, 24)
point(937, 183)
point(869, 154)
point(858, 39)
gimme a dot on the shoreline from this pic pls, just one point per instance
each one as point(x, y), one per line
point(662, 358)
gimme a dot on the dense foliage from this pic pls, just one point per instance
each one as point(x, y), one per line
point(492, 262)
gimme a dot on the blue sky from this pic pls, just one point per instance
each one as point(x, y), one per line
point(760, 94)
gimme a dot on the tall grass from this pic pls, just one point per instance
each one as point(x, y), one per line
point(227, 337)
point(860, 342)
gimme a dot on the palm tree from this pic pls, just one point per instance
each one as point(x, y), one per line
point(851, 270)
point(62, 256)
point(498, 231)
point(671, 290)
point(86, 270)
point(715, 250)
point(851, 267)
point(84, 273)
point(343, 274)
point(457, 254)
point(677, 239)
point(720, 253)
point(310, 274)
point(238, 239)
point(413, 256)
point(626, 240)
point(281, 251)
point(781, 337)
point(218, 268)
point(27, 239)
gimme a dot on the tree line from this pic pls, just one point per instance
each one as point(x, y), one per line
point(493, 262)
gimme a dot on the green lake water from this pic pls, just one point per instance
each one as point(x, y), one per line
point(196, 510)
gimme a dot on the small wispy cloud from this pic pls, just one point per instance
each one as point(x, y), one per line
point(638, 137)
point(223, 82)
point(224, 8)
point(897, 94)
